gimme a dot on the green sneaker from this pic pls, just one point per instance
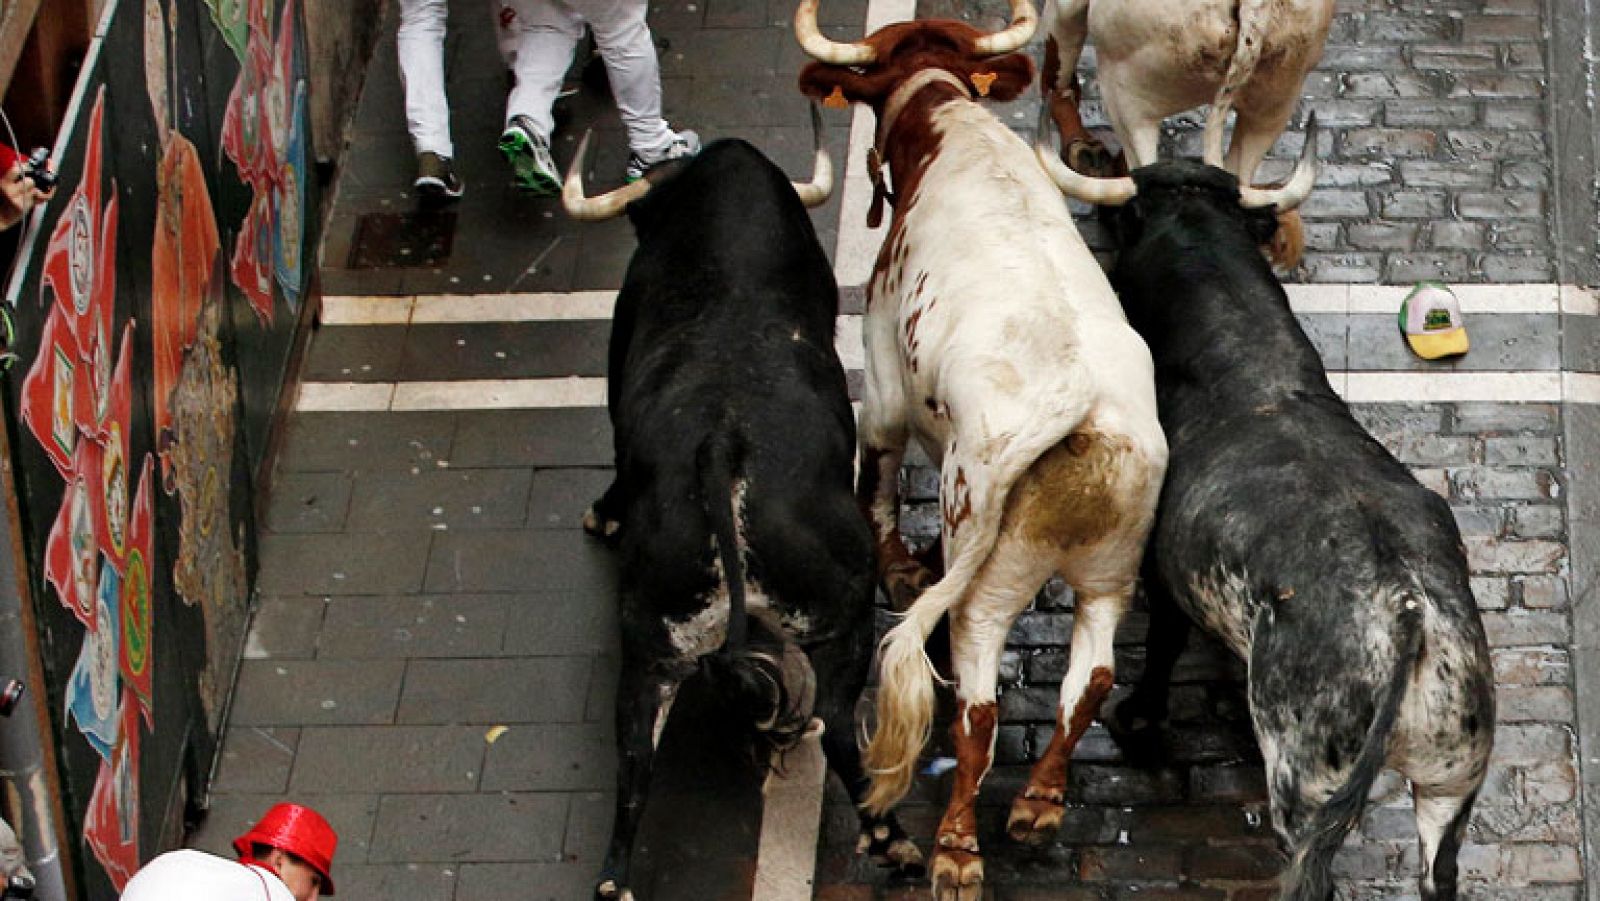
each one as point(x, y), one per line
point(532, 168)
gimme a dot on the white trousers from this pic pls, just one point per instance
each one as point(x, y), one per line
point(421, 45)
point(537, 38)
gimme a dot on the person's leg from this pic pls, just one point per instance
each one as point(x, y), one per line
point(536, 39)
point(629, 52)
point(421, 45)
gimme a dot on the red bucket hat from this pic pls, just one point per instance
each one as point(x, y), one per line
point(298, 830)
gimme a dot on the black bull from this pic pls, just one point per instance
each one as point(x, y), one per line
point(1296, 538)
point(740, 536)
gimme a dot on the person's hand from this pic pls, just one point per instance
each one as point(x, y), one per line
point(18, 196)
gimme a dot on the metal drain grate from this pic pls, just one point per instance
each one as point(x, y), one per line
point(403, 240)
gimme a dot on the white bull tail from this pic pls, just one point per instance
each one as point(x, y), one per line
point(1246, 53)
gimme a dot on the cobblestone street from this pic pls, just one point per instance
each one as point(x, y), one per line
point(424, 580)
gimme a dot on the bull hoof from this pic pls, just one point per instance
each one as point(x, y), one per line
point(1089, 157)
point(1137, 734)
point(608, 890)
point(1288, 242)
point(905, 582)
point(1035, 815)
point(600, 527)
point(886, 845)
point(957, 875)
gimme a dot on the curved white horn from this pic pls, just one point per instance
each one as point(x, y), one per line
point(605, 206)
point(820, 48)
point(1023, 21)
point(1099, 191)
point(1295, 191)
point(816, 191)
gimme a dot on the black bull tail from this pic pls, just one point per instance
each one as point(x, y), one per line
point(761, 679)
point(1307, 877)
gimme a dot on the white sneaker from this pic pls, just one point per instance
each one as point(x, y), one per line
point(684, 145)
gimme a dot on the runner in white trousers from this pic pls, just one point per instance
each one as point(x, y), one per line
point(537, 39)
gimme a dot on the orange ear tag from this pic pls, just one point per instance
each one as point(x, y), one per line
point(982, 81)
point(836, 99)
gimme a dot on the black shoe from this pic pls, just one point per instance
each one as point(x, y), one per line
point(436, 177)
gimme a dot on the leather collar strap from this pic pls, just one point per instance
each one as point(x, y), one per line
point(891, 111)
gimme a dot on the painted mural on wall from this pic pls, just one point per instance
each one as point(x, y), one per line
point(154, 314)
point(78, 406)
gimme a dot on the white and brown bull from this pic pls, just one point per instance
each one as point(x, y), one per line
point(993, 337)
point(1156, 58)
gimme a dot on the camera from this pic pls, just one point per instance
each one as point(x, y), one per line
point(19, 887)
point(35, 167)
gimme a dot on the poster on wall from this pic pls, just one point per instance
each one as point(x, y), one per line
point(154, 304)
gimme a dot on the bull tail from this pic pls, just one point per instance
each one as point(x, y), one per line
point(1307, 877)
point(1246, 53)
point(747, 681)
point(905, 674)
point(722, 494)
point(905, 696)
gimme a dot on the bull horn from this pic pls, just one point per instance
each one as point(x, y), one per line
point(820, 48)
point(1023, 21)
point(1297, 188)
point(816, 191)
point(1074, 184)
point(606, 206)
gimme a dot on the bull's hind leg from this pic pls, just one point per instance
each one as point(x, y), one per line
point(1441, 827)
point(1136, 723)
point(882, 435)
point(841, 667)
point(1036, 812)
point(978, 628)
point(643, 700)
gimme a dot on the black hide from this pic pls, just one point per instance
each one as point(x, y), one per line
point(1283, 526)
point(733, 433)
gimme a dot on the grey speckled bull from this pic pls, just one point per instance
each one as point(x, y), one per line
point(1290, 533)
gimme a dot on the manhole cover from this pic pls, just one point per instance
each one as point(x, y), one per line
point(388, 240)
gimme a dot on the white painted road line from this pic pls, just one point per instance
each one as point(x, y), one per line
point(380, 310)
point(441, 309)
point(454, 308)
point(1581, 387)
point(330, 397)
point(500, 394)
point(1363, 387)
point(1448, 387)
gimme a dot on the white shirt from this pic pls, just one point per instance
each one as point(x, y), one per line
point(196, 876)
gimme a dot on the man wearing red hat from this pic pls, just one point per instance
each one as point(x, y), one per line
point(284, 857)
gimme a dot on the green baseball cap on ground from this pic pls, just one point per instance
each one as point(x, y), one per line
point(1431, 319)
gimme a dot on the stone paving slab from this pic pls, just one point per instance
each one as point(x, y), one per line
point(380, 759)
point(499, 826)
point(439, 499)
point(578, 437)
point(505, 690)
point(358, 442)
point(316, 692)
point(416, 626)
